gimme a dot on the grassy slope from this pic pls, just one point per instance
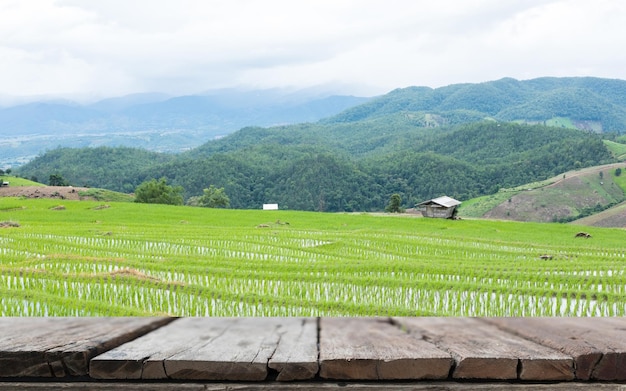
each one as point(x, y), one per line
point(479, 206)
point(617, 149)
point(96, 194)
point(560, 197)
point(613, 217)
point(15, 181)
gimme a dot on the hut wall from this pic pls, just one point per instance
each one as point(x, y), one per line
point(437, 211)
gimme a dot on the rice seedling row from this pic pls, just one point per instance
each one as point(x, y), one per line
point(197, 262)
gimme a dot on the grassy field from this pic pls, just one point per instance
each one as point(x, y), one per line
point(617, 149)
point(15, 181)
point(86, 258)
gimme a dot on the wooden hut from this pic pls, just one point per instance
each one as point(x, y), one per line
point(442, 207)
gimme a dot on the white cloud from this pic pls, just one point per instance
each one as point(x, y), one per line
point(115, 47)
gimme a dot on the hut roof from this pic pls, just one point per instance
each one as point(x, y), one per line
point(444, 201)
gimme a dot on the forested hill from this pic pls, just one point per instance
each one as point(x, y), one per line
point(585, 103)
point(344, 167)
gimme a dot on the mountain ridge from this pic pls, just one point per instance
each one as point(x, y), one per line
point(417, 142)
point(507, 99)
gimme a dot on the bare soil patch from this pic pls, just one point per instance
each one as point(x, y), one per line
point(57, 192)
point(560, 198)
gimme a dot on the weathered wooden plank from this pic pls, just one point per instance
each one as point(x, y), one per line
point(612, 365)
point(375, 349)
point(143, 357)
point(212, 349)
point(482, 351)
point(308, 386)
point(241, 352)
point(296, 357)
point(598, 345)
point(58, 347)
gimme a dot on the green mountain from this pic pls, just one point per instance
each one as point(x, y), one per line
point(589, 103)
point(303, 167)
point(463, 140)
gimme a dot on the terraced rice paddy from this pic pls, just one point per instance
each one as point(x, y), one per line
point(135, 259)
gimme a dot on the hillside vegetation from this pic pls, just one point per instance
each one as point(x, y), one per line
point(463, 140)
point(17, 181)
point(563, 198)
point(617, 149)
point(613, 217)
point(341, 168)
point(586, 103)
point(24, 188)
point(173, 124)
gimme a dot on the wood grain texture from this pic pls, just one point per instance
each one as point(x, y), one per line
point(238, 349)
point(597, 345)
point(375, 349)
point(58, 347)
point(296, 357)
point(143, 358)
point(483, 352)
point(308, 386)
point(240, 352)
point(355, 349)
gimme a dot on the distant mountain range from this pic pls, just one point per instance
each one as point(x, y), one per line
point(464, 141)
point(419, 143)
point(162, 123)
point(155, 121)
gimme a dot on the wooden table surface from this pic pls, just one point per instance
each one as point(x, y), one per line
point(296, 353)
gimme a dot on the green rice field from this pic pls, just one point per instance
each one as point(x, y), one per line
point(86, 258)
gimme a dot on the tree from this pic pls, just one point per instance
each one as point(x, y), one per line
point(618, 171)
point(395, 202)
point(159, 192)
point(214, 198)
point(57, 180)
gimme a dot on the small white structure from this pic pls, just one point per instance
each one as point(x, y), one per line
point(270, 206)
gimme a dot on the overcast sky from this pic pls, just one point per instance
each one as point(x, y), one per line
point(101, 48)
